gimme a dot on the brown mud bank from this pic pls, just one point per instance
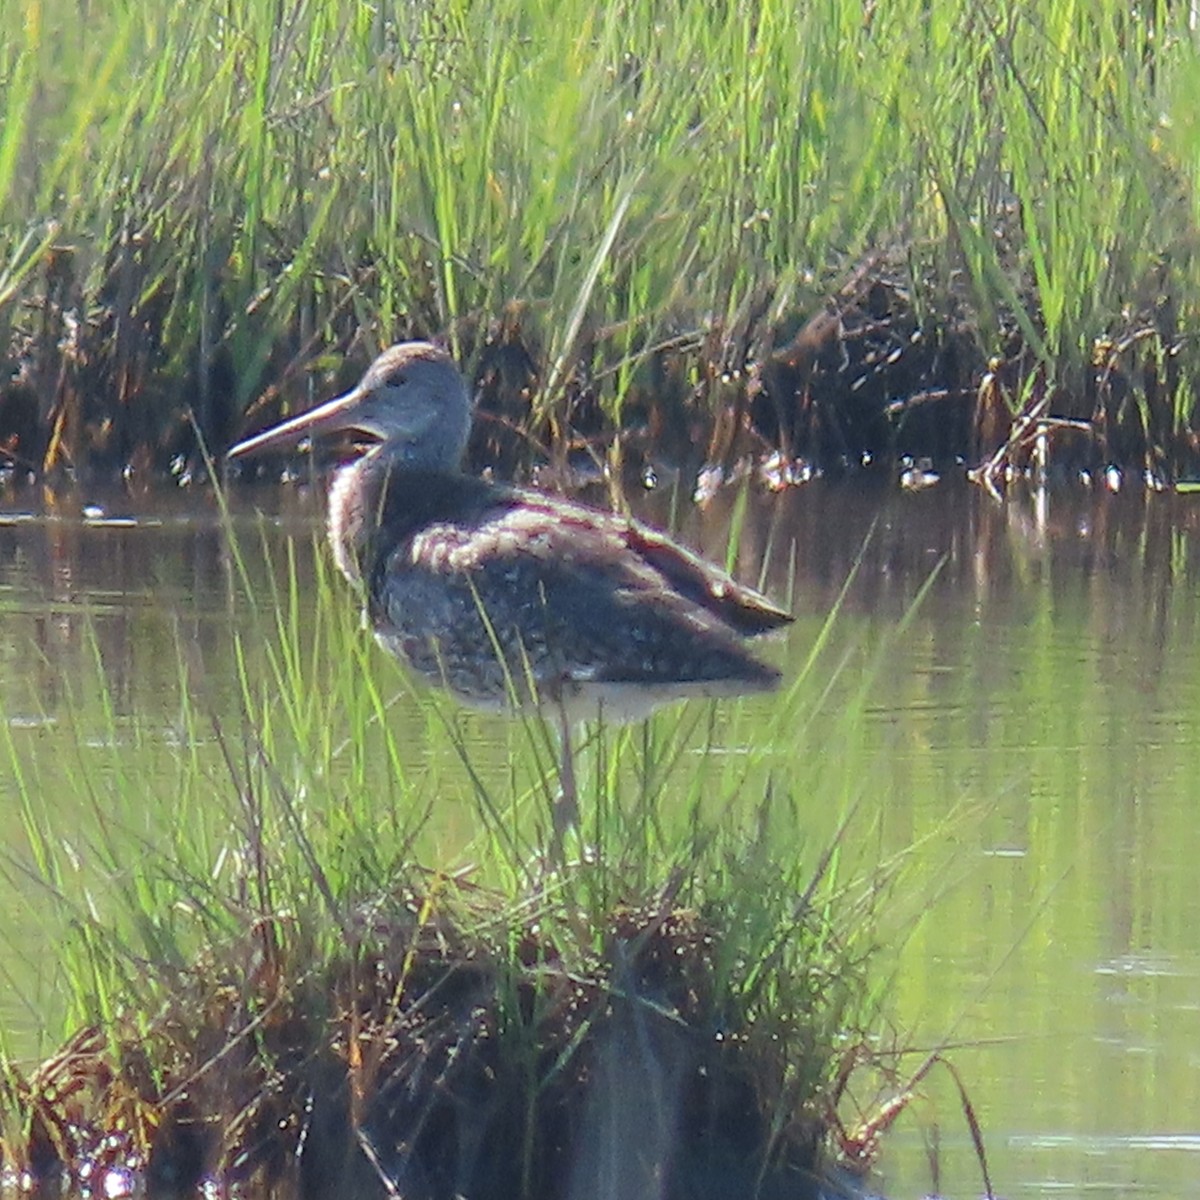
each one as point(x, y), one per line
point(427, 1062)
point(892, 369)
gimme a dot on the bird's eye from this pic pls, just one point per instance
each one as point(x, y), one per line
point(396, 379)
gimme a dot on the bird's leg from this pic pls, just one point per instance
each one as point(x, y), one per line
point(565, 813)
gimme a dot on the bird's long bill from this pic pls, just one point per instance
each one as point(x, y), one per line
point(333, 415)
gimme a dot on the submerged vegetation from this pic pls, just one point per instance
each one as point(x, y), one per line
point(846, 231)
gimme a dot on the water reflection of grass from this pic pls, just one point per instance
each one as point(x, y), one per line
point(312, 950)
point(199, 198)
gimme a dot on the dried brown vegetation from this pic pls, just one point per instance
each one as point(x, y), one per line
point(884, 371)
point(430, 1062)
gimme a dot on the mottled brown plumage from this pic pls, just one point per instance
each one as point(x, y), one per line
point(508, 596)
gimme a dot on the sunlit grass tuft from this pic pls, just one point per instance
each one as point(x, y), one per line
point(325, 836)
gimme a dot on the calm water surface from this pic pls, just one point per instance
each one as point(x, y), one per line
point(1036, 721)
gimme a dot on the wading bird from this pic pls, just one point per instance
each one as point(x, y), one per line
point(510, 597)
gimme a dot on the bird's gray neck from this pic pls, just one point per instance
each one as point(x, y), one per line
point(437, 449)
point(438, 429)
point(357, 496)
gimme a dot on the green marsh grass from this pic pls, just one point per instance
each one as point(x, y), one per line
point(201, 201)
point(290, 838)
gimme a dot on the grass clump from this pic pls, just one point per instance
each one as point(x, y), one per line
point(455, 1049)
point(268, 991)
point(828, 229)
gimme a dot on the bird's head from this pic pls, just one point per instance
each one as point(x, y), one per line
point(412, 399)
